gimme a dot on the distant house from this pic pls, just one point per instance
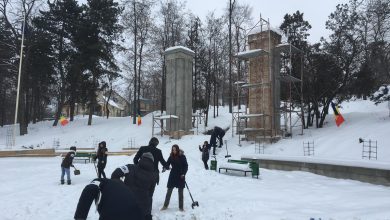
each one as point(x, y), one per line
point(146, 106)
point(117, 106)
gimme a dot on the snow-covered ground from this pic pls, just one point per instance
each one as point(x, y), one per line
point(29, 187)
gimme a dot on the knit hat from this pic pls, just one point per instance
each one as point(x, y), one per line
point(73, 148)
point(148, 155)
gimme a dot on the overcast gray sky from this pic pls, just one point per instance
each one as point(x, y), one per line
point(315, 11)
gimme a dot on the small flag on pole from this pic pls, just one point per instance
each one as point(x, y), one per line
point(139, 121)
point(338, 117)
point(63, 121)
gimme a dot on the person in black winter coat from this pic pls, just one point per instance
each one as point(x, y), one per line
point(101, 156)
point(179, 164)
point(140, 179)
point(217, 133)
point(67, 162)
point(157, 155)
point(113, 199)
point(205, 149)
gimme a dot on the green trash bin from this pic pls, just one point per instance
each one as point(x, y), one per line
point(213, 165)
point(255, 168)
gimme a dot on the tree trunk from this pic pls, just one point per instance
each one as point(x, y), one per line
point(59, 107)
point(139, 75)
point(324, 113)
point(106, 103)
point(62, 76)
point(135, 64)
point(71, 106)
point(308, 115)
point(2, 106)
point(230, 57)
point(163, 84)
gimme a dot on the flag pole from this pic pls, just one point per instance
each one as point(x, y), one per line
point(19, 74)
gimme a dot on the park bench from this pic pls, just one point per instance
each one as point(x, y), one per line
point(242, 166)
point(85, 156)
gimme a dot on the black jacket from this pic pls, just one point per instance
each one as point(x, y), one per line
point(117, 202)
point(217, 133)
point(179, 167)
point(102, 156)
point(205, 149)
point(140, 179)
point(68, 159)
point(157, 155)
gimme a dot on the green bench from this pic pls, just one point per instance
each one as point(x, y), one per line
point(252, 167)
point(85, 156)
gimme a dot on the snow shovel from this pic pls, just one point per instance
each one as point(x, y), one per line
point(76, 171)
point(227, 152)
point(194, 203)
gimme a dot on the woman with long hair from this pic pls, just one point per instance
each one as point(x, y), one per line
point(178, 161)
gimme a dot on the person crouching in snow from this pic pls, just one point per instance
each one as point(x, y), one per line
point(113, 200)
point(177, 175)
point(67, 162)
point(205, 149)
point(140, 178)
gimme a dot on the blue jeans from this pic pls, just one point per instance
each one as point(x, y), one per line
point(63, 171)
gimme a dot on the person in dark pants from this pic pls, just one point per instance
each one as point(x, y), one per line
point(102, 159)
point(205, 149)
point(140, 179)
point(113, 199)
point(158, 158)
point(67, 162)
point(217, 133)
point(179, 164)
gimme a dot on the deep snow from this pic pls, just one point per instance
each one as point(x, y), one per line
point(29, 187)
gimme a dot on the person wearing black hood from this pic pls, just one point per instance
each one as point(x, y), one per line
point(140, 179)
point(217, 133)
point(158, 158)
point(67, 162)
point(102, 159)
point(113, 199)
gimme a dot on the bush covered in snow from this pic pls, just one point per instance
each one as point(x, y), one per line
point(381, 95)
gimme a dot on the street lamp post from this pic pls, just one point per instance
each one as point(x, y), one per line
point(19, 76)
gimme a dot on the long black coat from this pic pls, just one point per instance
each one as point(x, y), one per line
point(157, 155)
point(179, 167)
point(139, 178)
point(117, 201)
point(102, 157)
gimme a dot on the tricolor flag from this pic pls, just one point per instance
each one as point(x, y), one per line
point(139, 121)
point(338, 117)
point(63, 121)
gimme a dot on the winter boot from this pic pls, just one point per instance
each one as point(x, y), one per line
point(181, 199)
point(62, 182)
point(68, 182)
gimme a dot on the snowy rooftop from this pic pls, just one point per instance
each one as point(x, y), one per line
point(287, 47)
point(245, 55)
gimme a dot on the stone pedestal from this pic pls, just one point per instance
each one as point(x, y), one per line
point(178, 64)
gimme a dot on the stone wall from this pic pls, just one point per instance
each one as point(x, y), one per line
point(368, 175)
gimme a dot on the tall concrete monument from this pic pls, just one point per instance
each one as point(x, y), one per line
point(178, 64)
